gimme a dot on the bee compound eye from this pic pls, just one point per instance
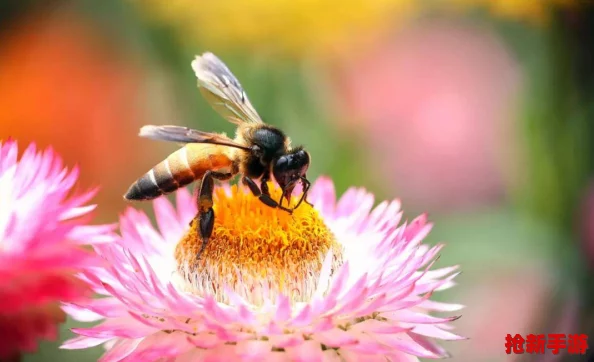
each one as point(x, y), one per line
point(282, 163)
point(303, 156)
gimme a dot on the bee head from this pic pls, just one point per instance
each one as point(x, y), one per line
point(289, 169)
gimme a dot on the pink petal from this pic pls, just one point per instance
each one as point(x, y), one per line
point(372, 306)
point(77, 212)
point(81, 314)
point(407, 316)
point(405, 344)
point(440, 307)
point(435, 332)
point(322, 195)
point(308, 351)
point(368, 344)
point(335, 338)
point(352, 296)
point(253, 350)
point(428, 345)
point(186, 208)
point(83, 342)
point(324, 278)
point(92, 234)
point(162, 345)
point(283, 311)
point(378, 327)
point(338, 282)
point(437, 285)
point(120, 350)
point(331, 355)
point(191, 356)
point(206, 341)
point(245, 315)
point(285, 340)
point(352, 356)
point(440, 273)
point(304, 316)
point(166, 217)
point(121, 327)
point(8, 155)
point(401, 357)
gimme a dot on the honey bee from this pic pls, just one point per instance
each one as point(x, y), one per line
point(257, 152)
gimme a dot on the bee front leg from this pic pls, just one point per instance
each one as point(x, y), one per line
point(205, 211)
point(306, 185)
point(307, 202)
point(264, 194)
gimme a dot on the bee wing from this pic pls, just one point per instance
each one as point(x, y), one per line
point(187, 135)
point(222, 90)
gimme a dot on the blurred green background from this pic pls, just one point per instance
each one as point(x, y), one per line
point(478, 112)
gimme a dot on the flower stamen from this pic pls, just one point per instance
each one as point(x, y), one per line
point(255, 248)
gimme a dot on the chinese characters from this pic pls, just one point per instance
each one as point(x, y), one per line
point(536, 343)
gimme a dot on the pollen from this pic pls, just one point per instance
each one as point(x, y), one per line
point(256, 250)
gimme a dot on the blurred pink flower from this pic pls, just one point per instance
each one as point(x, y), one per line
point(373, 306)
point(519, 295)
point(585, 223)
point(42, 229)
point(434, 104)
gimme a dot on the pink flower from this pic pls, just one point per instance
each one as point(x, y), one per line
point(41, 232)
point(338, 281)
point(436, 102)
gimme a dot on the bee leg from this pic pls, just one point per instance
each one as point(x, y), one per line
point(280, 200)
point(216, 175)
point(306, 186)
point(263, 196)
point(266, 193)
point(205, 211)
point(221, 176)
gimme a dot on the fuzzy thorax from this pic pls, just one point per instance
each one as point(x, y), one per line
point(257, 251)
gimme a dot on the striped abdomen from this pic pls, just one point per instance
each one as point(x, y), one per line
point(181, 168)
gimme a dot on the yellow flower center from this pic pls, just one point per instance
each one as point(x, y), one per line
point(256, 249)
